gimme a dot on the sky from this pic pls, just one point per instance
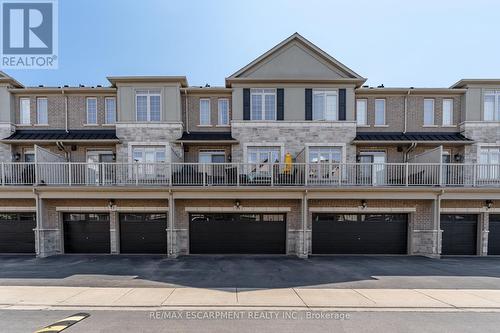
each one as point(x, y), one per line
point(396, 43)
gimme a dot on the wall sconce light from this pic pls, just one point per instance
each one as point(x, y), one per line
point(364, 204)
point(458, 158)
point(17, 157)
point(489, 204)
point(237, 204)
point(114, 157)
point(111, 204)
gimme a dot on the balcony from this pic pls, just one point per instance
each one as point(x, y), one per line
point(245, 174)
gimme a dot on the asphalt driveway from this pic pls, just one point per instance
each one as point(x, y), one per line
point(398, 272)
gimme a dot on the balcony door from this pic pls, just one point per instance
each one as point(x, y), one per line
point(98, 173)
point(373, 173)
point(213, 165)
point(324, 164)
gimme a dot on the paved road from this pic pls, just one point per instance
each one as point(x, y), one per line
point(139, 321)
point(252, 272)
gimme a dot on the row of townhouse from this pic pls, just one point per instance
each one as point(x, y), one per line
point(294, 155)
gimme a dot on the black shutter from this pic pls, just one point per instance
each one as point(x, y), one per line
point(309, 104)
point(342, 106)
point(280, 104)
point(246, 104)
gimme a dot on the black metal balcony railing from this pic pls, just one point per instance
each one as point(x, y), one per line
point(250, 174)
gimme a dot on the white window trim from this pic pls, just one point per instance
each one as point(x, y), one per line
point(219, 123)
point(209, 112)
point(375, 113)
point(280, 145)
point(365, 123)
point(325, 92)
point(452, 124)
point(263, 102)
point(106, 110)
point(148, 104)
point(21, 111)
point(496, 102)
point(38, 113)
point(131, 146)
point(340, 145)
point(87, 110)
point(433, 124)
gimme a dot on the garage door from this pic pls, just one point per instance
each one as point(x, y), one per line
point(86, 233)
point(359, 233)
point(16, 232)
point(494, 235)
point(459, 234)
point(237, 233)
point(143, 233)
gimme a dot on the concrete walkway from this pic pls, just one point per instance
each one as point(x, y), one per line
point(24, 297)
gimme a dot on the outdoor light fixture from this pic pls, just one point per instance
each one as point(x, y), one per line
point(364, 204)
point(458, 158)
point(17, 157)
point(489, 204)
point(111, 203)
point(237, 204)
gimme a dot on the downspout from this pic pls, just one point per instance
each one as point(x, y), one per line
point(38, 219)
point(409, 150)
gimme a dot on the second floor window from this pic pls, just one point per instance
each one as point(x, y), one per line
point(492, 105)
point(91, 110)
point(42, 116)
point(205, 111)
point(380, 112)
point(148, 105)
point(263, 104)
point(361, 114)
point(110, 110)
point(447, 112)
point(223, 108)
point(428, 112)
point(24, 111)
point(325, 105)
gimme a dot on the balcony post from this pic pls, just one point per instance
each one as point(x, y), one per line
point(36, 173)
point(340, 175)
point(407, 176)
point(306, 174)
point(204, 171)
point(70, 175)
point(441, 174)
point(272, 174)
point(238, 174)
point(3, 173)
point(170, 168)
point(136, 172)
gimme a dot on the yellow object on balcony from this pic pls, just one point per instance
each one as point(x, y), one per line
point(288, 163)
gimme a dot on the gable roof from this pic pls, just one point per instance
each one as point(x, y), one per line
point(344, 73)
point(9, 79)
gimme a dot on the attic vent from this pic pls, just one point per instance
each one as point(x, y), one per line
point(381, 86)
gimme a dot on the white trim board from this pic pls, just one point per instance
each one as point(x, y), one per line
point(470, 210)
point(14, 209)
point(237, 210)
point(107, 209)
point(363, 210)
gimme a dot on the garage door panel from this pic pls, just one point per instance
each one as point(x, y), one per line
point(143, 233)
point(237, 234)
point(86, 233)
point(359, 234)
point(459, 235)
point(16, 232)
point(494, 235)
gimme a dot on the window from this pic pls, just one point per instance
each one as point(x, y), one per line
point(361, 114)
point(447, 112)
point(489, 160)
point(263, 104)
point(205, 111)
point(215, 156)
point(24, 111)
point(148, 105)
point(492, 105)
point(325, 105)
point(223, 108)
point(91, 110)
point(380, 112)
point(263, 154)
point(148, 154)
point(110, 110)
point(42, 111)
point(428, 112)
point(325, 154)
